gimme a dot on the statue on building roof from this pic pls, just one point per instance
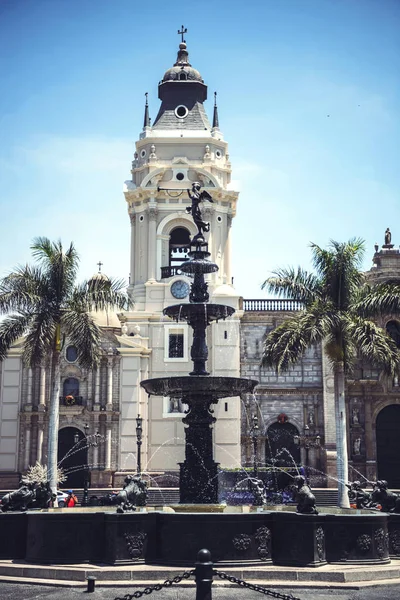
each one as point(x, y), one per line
point(388, 238)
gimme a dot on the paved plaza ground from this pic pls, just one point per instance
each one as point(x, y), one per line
point(17, 591)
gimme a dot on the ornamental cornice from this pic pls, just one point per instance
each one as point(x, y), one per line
point(268, 391)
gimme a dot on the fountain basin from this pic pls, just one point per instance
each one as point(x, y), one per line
point(198, 508)
point(173, 539)
point(192, 387)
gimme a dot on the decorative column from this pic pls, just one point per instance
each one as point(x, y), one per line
point(96, 401)
point(227, 251)
point(132, 217)
point(42, 390)
point(39, 454)
point(109, 379)
point(27, 444)
point(28, 405)
point(152, 212)
point(89, 381)
point(108, 448)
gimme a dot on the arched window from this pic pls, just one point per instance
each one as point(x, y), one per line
point(182, 76)
point(393, 329)
point(71, 387)
point(71, 353)
point(179, 245)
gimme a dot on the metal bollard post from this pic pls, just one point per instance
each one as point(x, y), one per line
point(91, 581)
point(204, 575)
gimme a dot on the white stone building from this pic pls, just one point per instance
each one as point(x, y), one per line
point(179, 148)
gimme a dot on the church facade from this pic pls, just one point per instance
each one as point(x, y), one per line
point(99, 408)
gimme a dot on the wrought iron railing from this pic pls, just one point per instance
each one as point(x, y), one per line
point(272, 304)
point(171, 272)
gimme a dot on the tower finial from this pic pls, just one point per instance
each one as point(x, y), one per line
point(100, 264)
point(146, 121)
point(215, 117)
point(182, 33)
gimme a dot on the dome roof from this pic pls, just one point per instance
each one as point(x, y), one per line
point(98, 277)
point(106, 318)
point(182, 69)
point(181, 74)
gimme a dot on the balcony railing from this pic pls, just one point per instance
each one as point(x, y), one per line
point(272, 304)
point(70, 400)
point(171, 272)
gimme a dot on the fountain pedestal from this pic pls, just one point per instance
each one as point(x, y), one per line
point(199, 473)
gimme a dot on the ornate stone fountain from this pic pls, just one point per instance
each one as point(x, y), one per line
point(199, 391)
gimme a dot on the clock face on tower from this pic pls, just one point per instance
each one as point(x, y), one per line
point(180, 289)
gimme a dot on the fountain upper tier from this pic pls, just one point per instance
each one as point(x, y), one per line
point(189, 388)
point(189, 312)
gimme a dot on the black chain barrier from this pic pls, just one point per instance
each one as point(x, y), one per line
point(204, 573)
point(157, 587)
point(254, 587)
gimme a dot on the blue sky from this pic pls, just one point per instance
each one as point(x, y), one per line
point(73, 75)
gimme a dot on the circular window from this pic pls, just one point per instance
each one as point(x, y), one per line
point(218, 153)
point(141, 218)
point(143, 153)
point(219, 219)
point(181, 111)
point(71, 354)
point(180, 176)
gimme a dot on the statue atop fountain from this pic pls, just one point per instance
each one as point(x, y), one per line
point(196, 197)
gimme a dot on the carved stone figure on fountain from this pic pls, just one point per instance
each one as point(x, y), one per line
point(43, 496)
point(304, 497)
point(358, 496)
point(19, 499)
point(133, 494)
point(389, 501)
point(196, 197)
point(257, 487)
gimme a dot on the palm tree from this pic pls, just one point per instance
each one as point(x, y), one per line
point(44, 305)
point(332, 298)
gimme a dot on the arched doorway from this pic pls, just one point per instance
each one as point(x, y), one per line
point(280, 447)
point(73, 456)
point(388, 445)
point(281, 452)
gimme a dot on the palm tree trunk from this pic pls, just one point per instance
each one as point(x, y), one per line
point(53, 421)
point(341, 436)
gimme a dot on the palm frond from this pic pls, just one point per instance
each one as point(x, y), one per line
point(375, 345)
point(12, 328)
point(40, 338)
point(21, 289)
point(338, 267)
point(60, 267)
point(101, 294)
point(294, 284)
point(286, 344)
point(84, 334)
point(383, 299)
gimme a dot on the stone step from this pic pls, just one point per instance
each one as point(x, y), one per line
point(138, 575)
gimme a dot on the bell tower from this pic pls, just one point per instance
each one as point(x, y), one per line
point(180, 147)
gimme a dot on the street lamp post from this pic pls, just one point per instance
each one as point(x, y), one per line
point(307, 440)
point(139, 435)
